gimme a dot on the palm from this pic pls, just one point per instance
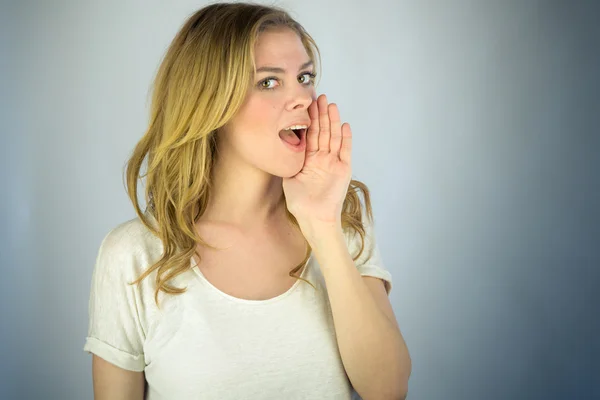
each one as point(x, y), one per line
point(319, 189)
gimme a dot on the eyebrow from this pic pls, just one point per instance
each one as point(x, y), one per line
point(281, 70)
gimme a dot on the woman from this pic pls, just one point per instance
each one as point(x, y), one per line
point(253, 272)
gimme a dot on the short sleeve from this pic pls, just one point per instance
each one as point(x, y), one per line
point(115, 332)
point(370, 262)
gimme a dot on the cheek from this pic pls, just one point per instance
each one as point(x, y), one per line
point(262, 112)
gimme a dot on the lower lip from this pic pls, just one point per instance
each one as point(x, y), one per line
point(300, 146)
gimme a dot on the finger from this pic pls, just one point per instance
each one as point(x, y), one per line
point(312, 135)
point(324, 129)
point(336, 129)
point(346, 147)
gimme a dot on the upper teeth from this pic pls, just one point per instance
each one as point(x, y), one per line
point(296, 127)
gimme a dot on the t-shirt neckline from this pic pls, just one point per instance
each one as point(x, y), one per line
point(277, 298)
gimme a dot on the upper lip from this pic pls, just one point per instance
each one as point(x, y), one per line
point(305, 122)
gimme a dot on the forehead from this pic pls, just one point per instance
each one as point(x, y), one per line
point(275, 47)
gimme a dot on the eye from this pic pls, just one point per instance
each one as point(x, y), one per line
point(264, 84)
point(261, 84)
point(311, 78)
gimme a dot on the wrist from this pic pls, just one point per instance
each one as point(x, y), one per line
point(319, 233)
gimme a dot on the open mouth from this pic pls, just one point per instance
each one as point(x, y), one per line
point(294, 137)
point(299, 132)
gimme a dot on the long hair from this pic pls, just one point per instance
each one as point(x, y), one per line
point(201, 83)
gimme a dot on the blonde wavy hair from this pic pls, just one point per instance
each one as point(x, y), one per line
point(201, 83)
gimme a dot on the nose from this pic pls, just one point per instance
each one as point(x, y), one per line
point(302, 99)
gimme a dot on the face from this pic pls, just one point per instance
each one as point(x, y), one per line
point(275, 101)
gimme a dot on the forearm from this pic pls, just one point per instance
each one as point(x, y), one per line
point(371, 346)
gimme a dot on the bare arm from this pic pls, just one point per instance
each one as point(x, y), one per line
point(371, 345)
point(115, 383)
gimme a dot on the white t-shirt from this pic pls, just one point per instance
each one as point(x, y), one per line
point(206, 344)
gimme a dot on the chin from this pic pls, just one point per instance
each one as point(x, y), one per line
point(290, 170)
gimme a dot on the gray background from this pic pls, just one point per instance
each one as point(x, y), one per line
point(475, 126)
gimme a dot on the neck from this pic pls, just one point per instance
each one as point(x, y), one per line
point(244, 196)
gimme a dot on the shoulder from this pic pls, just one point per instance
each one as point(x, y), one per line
point(128, 248)
point(129, 236)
